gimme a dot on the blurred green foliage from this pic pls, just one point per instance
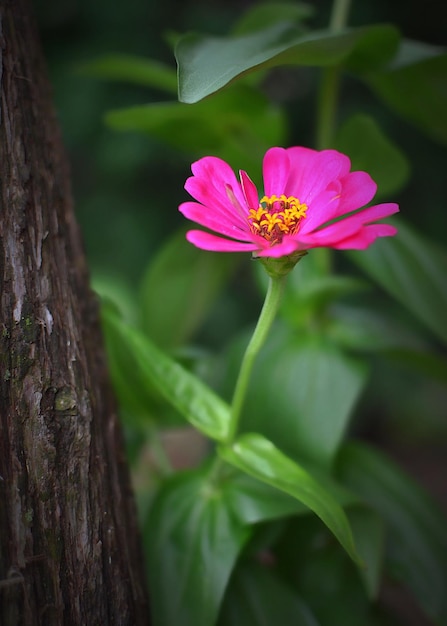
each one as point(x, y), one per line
point(353, 329)
point(124, 203)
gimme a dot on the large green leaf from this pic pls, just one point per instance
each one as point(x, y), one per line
point(184, 391)
point(308, 559)
point(258, 457)
point(414, 86)
point(302, 393)
point(206, 64)
point(255, 597)
point(370, 150)
point(192, 541)
point(139, 400)
point(178, 289)
point(255, 501)
point(417, 541)
point(412, 269)
point(237, 125)
point(133, 69)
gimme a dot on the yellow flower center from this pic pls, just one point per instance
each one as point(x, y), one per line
point(276, 217)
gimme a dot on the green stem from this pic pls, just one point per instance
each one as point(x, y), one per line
point(268, 313)
point(330, 83)
point(327, 107)
point(158, 450)
point(339, 15)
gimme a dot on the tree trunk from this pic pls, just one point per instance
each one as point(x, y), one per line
point(69, 545)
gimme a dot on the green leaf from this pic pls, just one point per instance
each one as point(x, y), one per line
point(133, 69)
point(369, 536)
point(192, 541)
point(206, 64)
point(237, 125)
point(186, 281)
point(414, 87)
point(255, 501)
point(303, 307)
point(412, 269)
point(139, 400)
point(367, 329)
point(184, 391)
point(411, 52)
point(302, 393)
point(116, 292)
point(258, 457)
point(256, 597)
point(371, 151)
point(328, 582)
point(417, 541)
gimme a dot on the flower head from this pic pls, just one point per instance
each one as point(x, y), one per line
point(311, 199)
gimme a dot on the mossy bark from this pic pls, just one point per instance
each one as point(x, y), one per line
point(69, 546)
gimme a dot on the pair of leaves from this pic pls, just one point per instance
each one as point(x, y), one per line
point(198, 526)
point(193, 538)
point(257, 456)
point(204, 520)
point(197, 529)
point(202, 408)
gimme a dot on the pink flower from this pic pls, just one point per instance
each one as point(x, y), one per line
point(311, 200)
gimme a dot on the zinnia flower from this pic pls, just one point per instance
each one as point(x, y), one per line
point(311, 199)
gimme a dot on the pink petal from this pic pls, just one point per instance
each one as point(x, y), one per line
point(312, 171)
point(217, 174)
point(366, 236)
point(373, 213)
point(347, 227)
point(287, 246)
point(207, 241)
point(323, 209)
point(275, 167)
point(217, 222)
point(216, 201)
point(358, 189)
point(249, 190)
point(210, 183)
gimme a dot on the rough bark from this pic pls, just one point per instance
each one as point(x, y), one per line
point(69, 547)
